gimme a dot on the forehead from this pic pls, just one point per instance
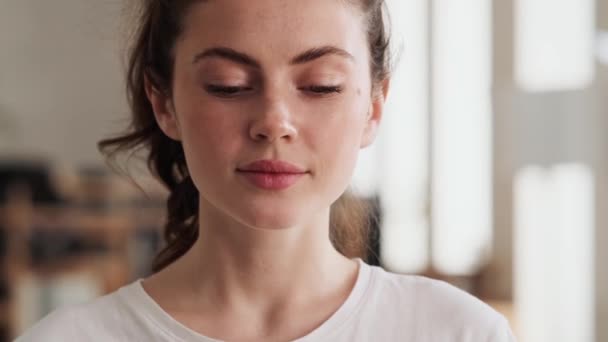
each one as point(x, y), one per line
point(275, 28)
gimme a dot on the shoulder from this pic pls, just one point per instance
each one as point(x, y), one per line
point(434, 305)
point(96, 319)
point(431, 296)
point(56, 326)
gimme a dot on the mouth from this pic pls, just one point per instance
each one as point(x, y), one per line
point(272, 166)
point(272, 174)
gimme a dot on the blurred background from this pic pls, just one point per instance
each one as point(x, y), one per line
point(490, 172)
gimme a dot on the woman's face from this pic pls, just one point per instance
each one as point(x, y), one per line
point(281, 80)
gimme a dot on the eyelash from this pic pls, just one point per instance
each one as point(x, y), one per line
point(233, 91)
point(224, 91)
point(324, 89)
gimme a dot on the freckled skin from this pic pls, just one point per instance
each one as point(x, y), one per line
point(323, 135)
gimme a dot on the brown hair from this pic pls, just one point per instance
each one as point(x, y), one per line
point(151, 56)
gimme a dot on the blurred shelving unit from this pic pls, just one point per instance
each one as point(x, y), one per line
point(59, 248)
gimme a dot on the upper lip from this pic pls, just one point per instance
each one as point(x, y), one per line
point(271, 166)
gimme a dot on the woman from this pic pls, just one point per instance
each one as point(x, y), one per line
point(254, 113)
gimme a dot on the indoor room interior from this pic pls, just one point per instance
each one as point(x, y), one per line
point(490, 171)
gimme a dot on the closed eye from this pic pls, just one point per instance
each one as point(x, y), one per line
point(323, 90)
point(232, 91)
point(225, 91)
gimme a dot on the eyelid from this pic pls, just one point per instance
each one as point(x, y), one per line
point(323, 90)
point(226, 85)
point(221, 77)
point(322, 86)
point(233, 91)
point(227, 91)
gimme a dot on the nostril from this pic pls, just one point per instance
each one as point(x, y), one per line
point(261, 136)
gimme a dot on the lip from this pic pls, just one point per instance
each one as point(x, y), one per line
point(272, 166)
point(272, 174)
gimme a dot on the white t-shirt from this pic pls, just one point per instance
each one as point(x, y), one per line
point(381, 307)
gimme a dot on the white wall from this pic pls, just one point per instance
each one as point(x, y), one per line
point(60, 77)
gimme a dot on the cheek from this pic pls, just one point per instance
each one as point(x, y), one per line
point(344, 130)
point(338, 142)
point(210, 139)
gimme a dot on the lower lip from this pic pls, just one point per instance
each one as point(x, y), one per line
point(272, 181)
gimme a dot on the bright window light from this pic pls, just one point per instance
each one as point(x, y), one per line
point(553, 244)
point(462, 141)
point(554, 42)
point(601, 47)
point(403, 174)
point(365, 178)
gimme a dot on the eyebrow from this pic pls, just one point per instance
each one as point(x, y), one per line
point(242, 58)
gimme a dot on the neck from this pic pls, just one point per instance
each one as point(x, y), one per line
point(232, 265)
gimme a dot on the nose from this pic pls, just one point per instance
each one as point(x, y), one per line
point(273, 122)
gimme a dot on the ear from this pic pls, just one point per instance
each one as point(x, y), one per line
point(374, 115)
point(163, 108)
